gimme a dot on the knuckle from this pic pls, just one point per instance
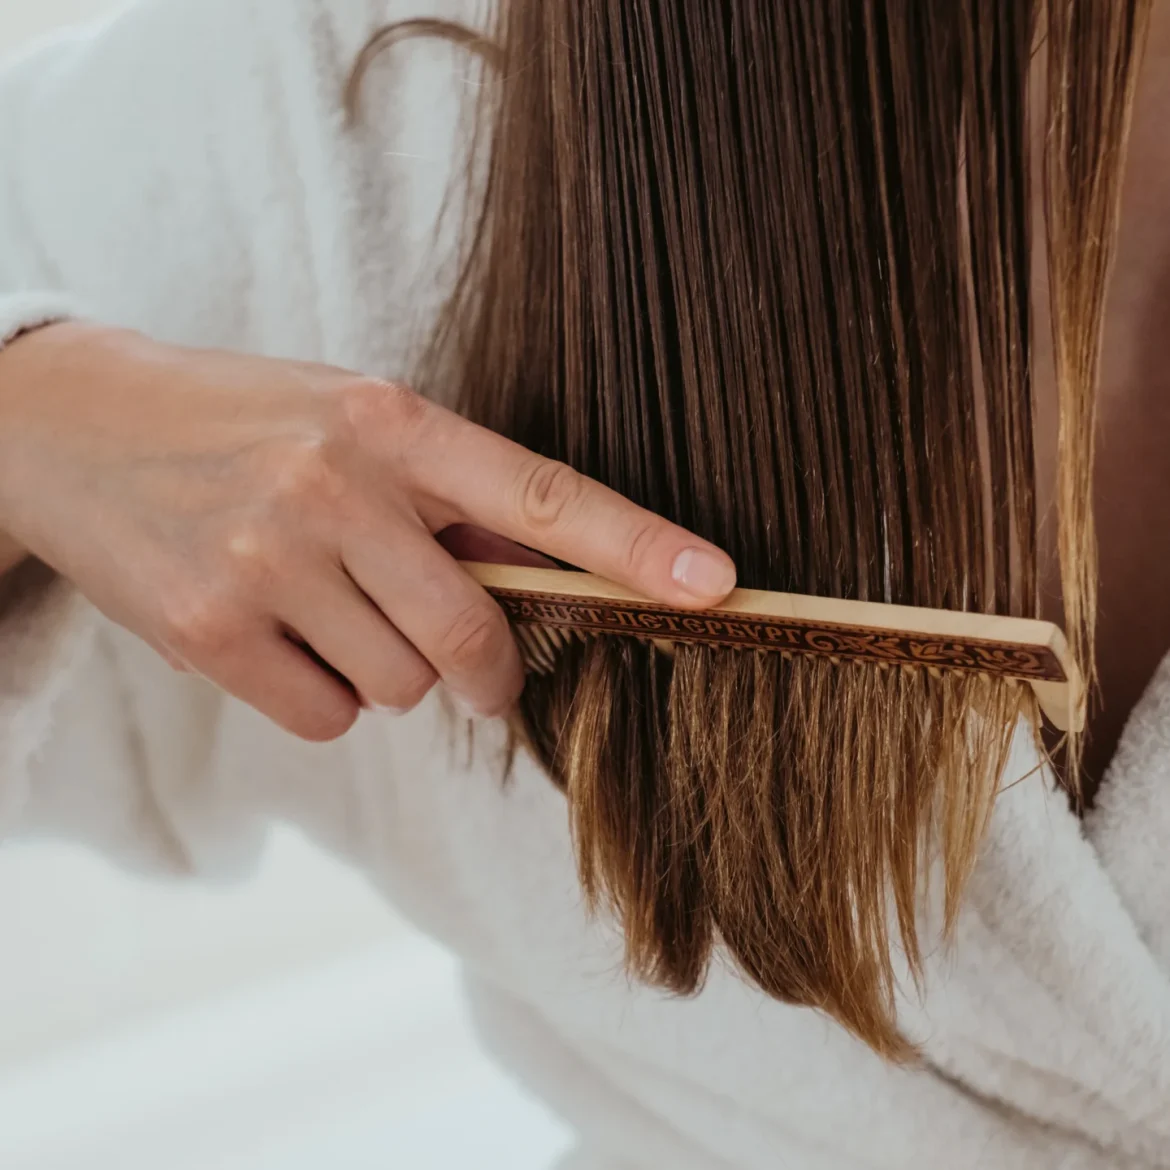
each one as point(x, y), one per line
point(475, 638)
point(307, 473)
point(387, 409)
point(201, 623)
point(550, 494)
point(253, 557)
point(639, 547)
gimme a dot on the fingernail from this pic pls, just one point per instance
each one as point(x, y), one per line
point(397, 712)
point(705, 574)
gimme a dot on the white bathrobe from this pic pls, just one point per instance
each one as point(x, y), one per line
point(184, 170)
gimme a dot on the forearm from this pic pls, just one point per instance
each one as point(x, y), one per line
point(25, 366)
point(17, 376)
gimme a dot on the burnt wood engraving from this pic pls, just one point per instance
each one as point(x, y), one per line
point(782, 634)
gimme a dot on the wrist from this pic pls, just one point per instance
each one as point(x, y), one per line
point(29, 364)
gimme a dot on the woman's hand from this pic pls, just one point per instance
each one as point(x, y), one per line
point(271, 525)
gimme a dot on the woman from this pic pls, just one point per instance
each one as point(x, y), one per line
point(185, 172)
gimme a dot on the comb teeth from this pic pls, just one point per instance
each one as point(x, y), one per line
point(541, 646)
point(550, 607)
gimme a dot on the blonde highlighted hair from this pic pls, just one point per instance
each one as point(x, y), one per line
point(765, 268)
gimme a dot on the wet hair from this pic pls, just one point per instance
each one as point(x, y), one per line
point(765, 269)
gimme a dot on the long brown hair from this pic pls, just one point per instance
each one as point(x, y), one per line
point(765, 268)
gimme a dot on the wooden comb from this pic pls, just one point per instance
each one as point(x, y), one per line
point(547, 607)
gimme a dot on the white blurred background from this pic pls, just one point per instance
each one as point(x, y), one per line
point(293, 1023)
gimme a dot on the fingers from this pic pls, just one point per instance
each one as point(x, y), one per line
point(383, 606)
point(445, 615)
point(283, 683)
point(347, 631)
point(548, 506)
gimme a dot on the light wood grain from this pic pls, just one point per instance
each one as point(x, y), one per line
point(1061, 701)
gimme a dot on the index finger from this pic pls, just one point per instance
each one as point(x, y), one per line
point(546, 505)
